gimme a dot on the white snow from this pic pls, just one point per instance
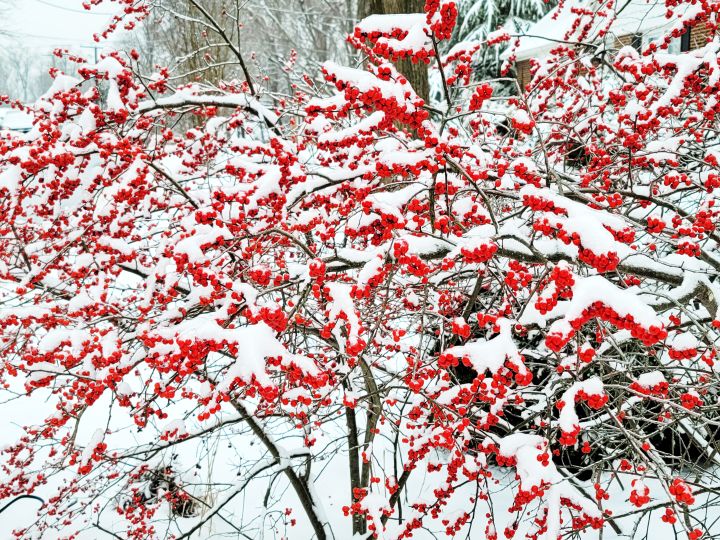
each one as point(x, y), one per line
point(490, 355)
point(568, 420)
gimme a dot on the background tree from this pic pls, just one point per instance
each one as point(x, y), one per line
point(416, 72)
point(5, 6)
point(478, 18)
point(198, 39)
point(22, 67)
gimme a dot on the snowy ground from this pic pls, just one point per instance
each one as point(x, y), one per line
point(224, 456)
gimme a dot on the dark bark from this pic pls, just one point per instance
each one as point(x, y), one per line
point(359, 523)
point(298, 483)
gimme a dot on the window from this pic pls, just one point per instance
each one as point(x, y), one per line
point(685, 40)
point(657, 35)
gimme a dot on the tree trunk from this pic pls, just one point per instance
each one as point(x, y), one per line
point(416, 74)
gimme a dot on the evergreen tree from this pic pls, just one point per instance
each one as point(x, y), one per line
point(477, 18)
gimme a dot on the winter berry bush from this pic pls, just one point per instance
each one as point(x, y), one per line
point(351, 312)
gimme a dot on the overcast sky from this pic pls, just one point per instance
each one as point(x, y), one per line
point(47, 24)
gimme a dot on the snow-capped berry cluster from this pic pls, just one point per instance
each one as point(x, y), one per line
point(478, 252)
point(681, 492)
point(441, 16)
point(683, 346)
point(589, 392)
point(651, 383)
point(363, 88)
point(555, 341)
point(394, 37)
point(559, 285)
point(639, 494)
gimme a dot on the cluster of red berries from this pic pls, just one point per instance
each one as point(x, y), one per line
point(523, 497)
point(481, 94)
point(690, 400)
point(539, 204)
point(562, 280)
point(669, 516)
point(660, 389)
point(600, 493)
point(462, 58)
point(523, 125)
point(594, 401)
point(640, 494)
point(485, 319)
point(626, 236)
point(460, 327)
point(655, 225)
point(97, 454)
point(524, 173)
point(649, 336)
point(712, 182)
point(317, 269)
point(605, 262)
point(517, 276)
point(274, 317)
point(569, 438)
point(703, 221)
point(389, 45)
point(441, 17)
point(372, 282)
point(583, 521)
point(586, 354)
point(691, 249)
point(479, 253)
point(682, 354)
point(404, 112)
point(261, 275)
point(681, 492)
point(414, 265)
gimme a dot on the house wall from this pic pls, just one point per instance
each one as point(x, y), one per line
point(522, 71)
point(624, 41)
point(699, 36)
